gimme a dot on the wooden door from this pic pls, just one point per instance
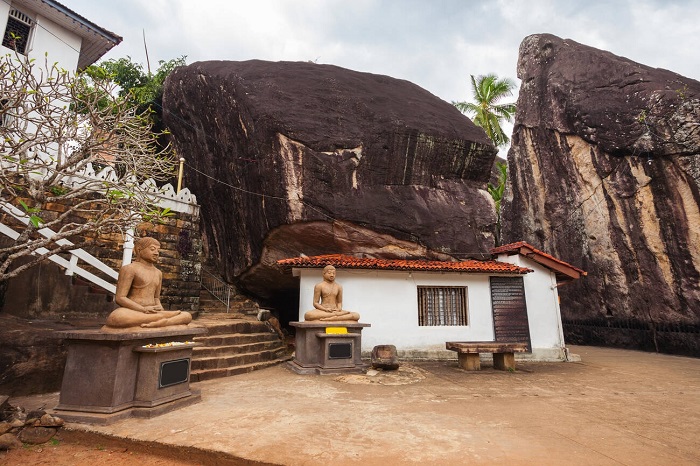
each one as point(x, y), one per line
point(510, 310)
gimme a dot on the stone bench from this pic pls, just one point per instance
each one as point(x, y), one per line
point(503, 353)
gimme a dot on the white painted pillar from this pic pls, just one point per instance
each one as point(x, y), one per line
point(128, 247)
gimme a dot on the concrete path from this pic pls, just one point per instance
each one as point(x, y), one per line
point(615, 407)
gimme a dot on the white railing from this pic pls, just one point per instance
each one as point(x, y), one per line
point(217, 288)
point(163, 197)
point(71, 265)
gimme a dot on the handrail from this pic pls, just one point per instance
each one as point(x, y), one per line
point(70, 265)
point(217, 288)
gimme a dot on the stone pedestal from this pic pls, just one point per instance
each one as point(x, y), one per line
point(385, 357)
point(112, 376)
point(328, 348)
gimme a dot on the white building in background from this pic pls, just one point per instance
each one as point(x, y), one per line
point(418, 306)
point(39, 27)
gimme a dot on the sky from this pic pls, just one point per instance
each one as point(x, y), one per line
point(436, 44)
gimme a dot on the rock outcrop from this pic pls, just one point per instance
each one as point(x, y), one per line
point(604, 172)
point(298, 158)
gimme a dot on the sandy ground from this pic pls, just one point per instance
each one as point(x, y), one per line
point(615, 407)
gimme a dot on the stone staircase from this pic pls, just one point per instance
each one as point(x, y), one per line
point(235, 344)
point(208, 304)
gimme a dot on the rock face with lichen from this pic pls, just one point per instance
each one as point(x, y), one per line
point(604, 172)
point(297, 158)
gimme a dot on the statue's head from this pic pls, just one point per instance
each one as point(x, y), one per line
point(329, 273)
point(143, 243)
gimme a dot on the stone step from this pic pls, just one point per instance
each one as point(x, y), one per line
point(232, 361)
point(208, 374)
point(202, 352)
point(234, 326)
point(208, 303)
point(234, 345)
point(231, 339)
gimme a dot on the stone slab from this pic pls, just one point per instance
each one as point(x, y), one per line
point(146, 412)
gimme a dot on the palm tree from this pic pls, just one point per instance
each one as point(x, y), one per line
point(496, 192)
point(487, 112)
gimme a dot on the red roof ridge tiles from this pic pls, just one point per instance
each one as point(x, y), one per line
point(351, 262)
point(563, 269)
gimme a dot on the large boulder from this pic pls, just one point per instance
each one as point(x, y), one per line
point(297, 158)
point(604, 172)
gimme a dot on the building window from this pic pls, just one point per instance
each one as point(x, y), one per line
point(17, 31)
point(4, 112)
point(442, 305)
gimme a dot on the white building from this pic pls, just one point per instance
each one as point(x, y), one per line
point(38, 27)
point(418, 306)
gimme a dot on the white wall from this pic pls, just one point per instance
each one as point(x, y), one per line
point(388, 301)
point(4, 12)
point(62, 46)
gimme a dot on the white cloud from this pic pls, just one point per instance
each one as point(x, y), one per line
point(436, 44)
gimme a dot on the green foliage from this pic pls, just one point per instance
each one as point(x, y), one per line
point(58, 190)
point(34, 219)
point(486, 112)
point(157, 215)
point(141, 87)
point(496, 192)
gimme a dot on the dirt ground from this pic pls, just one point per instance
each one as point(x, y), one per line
point(78, 448)
point(613, 407)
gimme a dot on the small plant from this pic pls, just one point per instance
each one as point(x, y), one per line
point(642, 116)
point(682, 92)
point(31, 211)
point(58, 190)
point(55, 442)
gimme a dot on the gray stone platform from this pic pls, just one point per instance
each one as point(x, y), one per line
point(111, 376)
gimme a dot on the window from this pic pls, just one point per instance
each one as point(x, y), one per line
point(442, 305)
point(4, 113)
point(17, 31)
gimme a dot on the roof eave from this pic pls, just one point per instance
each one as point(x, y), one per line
point(96, 40)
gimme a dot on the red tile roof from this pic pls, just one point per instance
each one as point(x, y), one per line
point(349, 262)
point(564, 270)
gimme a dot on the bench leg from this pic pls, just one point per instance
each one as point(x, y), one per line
point(469, 361)
point(504, 361)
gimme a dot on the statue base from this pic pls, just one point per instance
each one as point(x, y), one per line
point(328, 348)
point(112, 376)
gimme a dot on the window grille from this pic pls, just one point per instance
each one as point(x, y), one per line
point(17, 31)
point(4, 113)
point(442, 306)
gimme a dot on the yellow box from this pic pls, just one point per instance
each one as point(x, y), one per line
point(336, 330)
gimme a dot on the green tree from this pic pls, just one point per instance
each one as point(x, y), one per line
point(496, 192)
point(486, 111)
point(144, 89)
